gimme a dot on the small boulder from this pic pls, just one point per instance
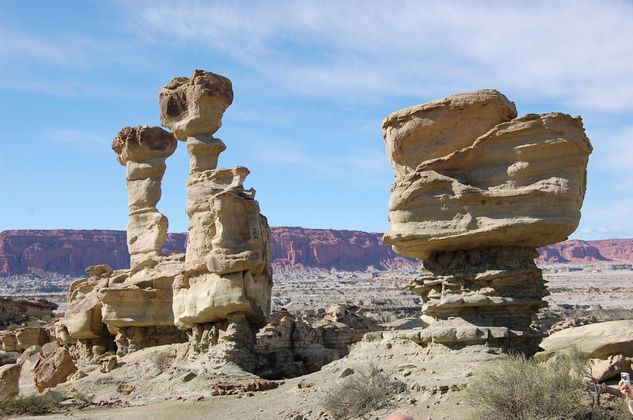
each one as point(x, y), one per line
point(599, 340)
point(54, 370)
point(9, 381)
point(108, 363)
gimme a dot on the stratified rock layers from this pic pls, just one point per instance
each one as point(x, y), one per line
point(227, 263)
point(143, 150)
point(216, 293)
point(476, 191)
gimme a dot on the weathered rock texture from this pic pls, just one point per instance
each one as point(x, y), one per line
point(9, 381)
point(215, 294)
point(143, 150)
point(296, 343)
point(608, 344)
point(18, 310)
point(227, 263)
point(22, 338)
point(477, 191)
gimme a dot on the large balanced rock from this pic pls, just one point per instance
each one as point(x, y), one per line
point(477, 190)
point(195, 105)
point(216, 293)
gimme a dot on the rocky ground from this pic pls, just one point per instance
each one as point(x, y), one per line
point(157, 383)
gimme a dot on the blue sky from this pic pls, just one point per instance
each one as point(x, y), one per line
point(312, 81)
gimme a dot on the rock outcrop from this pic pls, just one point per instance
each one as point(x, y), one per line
point(477, 190)
point(227, 274)
point(296, 343)
point(143, 150)
point(608, 344)
point(18, 310)
point(216, 293)
point(22, 338)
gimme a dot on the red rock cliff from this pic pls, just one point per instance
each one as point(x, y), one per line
point(70, 251)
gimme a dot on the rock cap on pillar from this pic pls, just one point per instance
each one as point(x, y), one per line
point(144, 143)
point(470, 174)
point(195, 105)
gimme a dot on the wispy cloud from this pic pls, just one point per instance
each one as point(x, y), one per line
point(613, 155)
point(576, 52)
point(360, 169)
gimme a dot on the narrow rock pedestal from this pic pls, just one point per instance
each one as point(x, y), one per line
point(227, 279)
point(495, 290)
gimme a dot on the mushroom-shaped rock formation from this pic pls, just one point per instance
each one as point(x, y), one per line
point(191, 106)
point(143, 150)
point(217, 293)
point(477, 190)
point(227, 280)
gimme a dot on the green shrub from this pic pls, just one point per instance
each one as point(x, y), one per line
point(361, 393)
point(33, 404)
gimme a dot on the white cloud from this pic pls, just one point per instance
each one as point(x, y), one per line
point(364, 168)
point(577, 52)
point(613, 155)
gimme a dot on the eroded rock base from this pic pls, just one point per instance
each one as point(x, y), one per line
point(485, 295)
point(231, 340)
point(130, 339)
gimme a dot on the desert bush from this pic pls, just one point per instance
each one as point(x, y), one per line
point(521, 388)
point(361, 393)
point(161, 361)
point(33, 404)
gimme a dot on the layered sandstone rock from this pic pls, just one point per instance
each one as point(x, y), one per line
point(143, 150)
point(227, 263)
point(133, 305)
point(216, 293)
point(608, 344)
point(476, 191)
point(22, 338)
point(18, 310)
point(296, 343)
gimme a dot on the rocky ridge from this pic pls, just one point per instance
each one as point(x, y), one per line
point(69, 252)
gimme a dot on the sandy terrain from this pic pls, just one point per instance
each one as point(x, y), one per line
point(433, 380)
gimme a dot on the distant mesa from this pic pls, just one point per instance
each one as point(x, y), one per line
point(69, 252)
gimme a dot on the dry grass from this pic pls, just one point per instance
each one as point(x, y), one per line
point(33, 404)
point(361, 393)
point(521, 388)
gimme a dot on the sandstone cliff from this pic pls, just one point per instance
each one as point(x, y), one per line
point(70, 251)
